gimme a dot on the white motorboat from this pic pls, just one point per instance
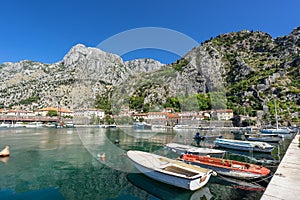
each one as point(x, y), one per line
point(244, 145)
point(187, 149)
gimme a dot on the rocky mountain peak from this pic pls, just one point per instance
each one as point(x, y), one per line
point(80, 54)
point(144, 65)
point(296, 31)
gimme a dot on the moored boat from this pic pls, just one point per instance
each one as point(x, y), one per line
point(262, 138)
point(34, 125)
point(230, 168)
point(244, 145)
point(181, 148)
point(172, 172)
point(180, 126)
point(69, 125)
point(277, 130)
point(17, 125)
point(4, 125)
point(5, 152)
point(142, 126)
point(283, 130)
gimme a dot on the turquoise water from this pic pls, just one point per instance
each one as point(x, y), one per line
point(66, 164)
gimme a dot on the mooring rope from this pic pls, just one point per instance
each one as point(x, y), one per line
point(263, 179)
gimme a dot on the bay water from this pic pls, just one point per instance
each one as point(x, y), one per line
point(91, 163)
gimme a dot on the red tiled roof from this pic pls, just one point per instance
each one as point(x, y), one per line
point(226, 111)
point(172, 115)
point(19, 111)
point(156, 113)
point(56, 109)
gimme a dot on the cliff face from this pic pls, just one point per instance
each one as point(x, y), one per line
point(248, 68)
point(73, 82)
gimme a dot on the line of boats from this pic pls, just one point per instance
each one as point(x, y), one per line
point(26, 125)
point(195, 165)
point(35, 125)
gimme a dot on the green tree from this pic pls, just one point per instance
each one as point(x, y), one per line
point(29, 100)
point(189, 103)
point(52, 113)
point(109, 119)
point(103, 103)
point(218, 100)
point(248, 122)
point(172, 102)
point(136, 102)
point(203, 101)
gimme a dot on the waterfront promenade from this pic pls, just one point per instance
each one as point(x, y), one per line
point(285, 183)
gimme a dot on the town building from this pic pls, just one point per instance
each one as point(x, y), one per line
point(19, 113)
point(61, 111)
point(90, 113)
point(225, 114)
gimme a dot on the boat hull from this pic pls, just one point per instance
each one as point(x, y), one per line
point(172, 172)
point(142, 126)
point(275, 131)
point(230, 173)
point(188, 184)
point(5, 152)
point(230, 168)
point(241, 148)
point(183, 149)
point(244, 146)
point(265, 139)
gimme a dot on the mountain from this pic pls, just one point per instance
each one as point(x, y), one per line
point(73, 82)
point(244, 71)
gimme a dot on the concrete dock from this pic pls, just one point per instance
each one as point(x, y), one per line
point(285, 183)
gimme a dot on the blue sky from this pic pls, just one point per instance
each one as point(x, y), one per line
point(45, 30)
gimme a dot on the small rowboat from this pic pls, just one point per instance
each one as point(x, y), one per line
point(261, 138)
point(182, 149)
point(230, 168)
point(4, 152)
point(172, 172)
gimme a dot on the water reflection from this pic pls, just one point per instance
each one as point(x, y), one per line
point(101, 142)
point(239, 184)
point(4, 159)
point(251, 157)
point(45, 194)
point(164, 191)
point(67, 159)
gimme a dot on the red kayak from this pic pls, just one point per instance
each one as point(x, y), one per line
point(225, 167)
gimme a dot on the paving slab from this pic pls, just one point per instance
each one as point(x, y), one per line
point(285, 184)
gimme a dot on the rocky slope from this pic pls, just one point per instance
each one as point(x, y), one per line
point(73, 82)
point(246, 70)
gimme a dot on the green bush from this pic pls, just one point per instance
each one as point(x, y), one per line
point(52, 113)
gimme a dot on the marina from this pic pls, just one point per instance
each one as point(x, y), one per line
point(65, 164)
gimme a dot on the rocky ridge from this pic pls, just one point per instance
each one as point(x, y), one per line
point(73, 82)
point(248, 68)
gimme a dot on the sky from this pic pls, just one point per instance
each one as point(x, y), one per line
point(45, 30)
